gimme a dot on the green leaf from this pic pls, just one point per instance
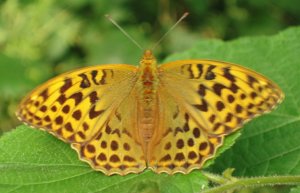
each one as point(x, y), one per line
point(34, 161)
point(270, 144)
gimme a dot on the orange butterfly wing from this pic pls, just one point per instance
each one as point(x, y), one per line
point(93, 109)
point(201, 101)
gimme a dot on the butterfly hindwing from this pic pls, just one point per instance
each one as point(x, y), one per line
point(182, 144)
point(116, 148)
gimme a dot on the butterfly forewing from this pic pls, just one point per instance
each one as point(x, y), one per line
point(84, 108)
point(222, 96)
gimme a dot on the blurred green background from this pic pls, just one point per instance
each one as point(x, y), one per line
point(41, 39)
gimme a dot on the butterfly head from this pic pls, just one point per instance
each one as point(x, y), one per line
point(148, 58)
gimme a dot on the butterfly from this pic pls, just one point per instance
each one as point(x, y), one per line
point(170, 118)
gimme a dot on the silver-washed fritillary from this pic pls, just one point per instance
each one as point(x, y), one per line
point(171, 118)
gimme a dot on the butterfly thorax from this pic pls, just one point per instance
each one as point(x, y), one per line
point(147, 107)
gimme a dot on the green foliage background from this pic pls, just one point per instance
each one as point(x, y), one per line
point(43, 38)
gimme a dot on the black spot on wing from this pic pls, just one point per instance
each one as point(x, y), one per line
point(76, 114)
point(200, 69)
point(228, 75)
point(93, 97)
point(220, 105)
point(203, 106)
point(44, 94)
point(202, 90)
point(94, 75)
point(94, 113)
point(189, 70)
point(218, 88)
point(66, 86)
point(77, 97)
point(252, 80)
point(234, 88)
point(61, 99)
point(210, 75)
point(85, 83)
point(103, 78)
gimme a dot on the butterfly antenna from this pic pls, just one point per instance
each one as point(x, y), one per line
point(123, 31)
point(163, 37)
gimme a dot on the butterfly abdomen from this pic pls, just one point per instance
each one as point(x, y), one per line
point(148, 97)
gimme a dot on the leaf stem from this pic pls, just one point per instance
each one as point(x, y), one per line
point(237, 183)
